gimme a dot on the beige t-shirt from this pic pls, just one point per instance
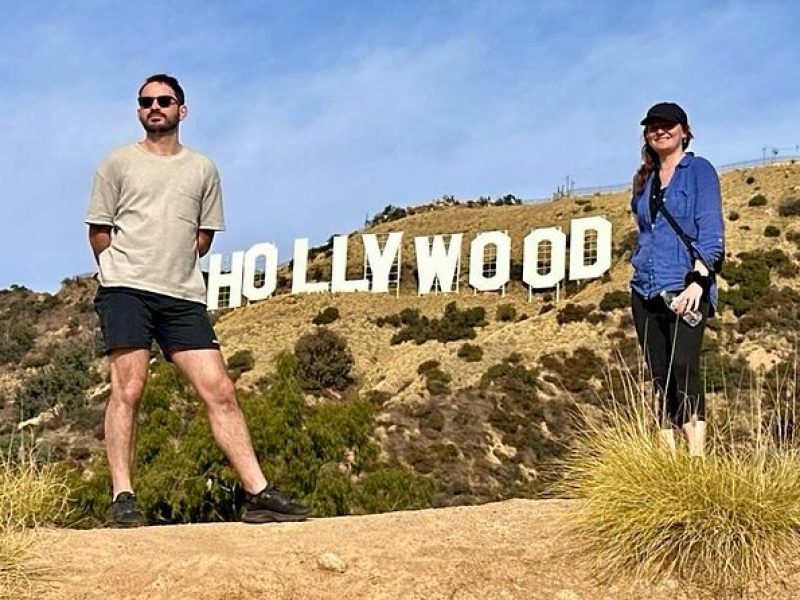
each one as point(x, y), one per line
point(155, 206)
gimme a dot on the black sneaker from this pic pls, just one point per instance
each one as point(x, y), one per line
point(124, 511)
point(271, 505)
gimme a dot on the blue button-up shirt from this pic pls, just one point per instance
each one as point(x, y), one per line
point(661, 260)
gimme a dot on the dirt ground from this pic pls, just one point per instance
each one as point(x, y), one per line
point(504, 550)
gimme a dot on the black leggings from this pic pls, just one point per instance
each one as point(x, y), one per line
point(675, 369)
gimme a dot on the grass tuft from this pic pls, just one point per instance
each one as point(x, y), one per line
point(721, 523)
point(30, 495)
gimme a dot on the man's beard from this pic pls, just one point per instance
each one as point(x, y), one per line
point(165, 126)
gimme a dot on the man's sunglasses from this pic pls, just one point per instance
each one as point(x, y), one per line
point(162, 101)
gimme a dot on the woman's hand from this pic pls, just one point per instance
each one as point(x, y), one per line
point(689, 299)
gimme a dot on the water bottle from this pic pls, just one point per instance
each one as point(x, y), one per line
point(691, 318)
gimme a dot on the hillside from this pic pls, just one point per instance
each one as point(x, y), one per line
point(481, 423)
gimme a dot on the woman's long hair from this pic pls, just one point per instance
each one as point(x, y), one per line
point(650, 160)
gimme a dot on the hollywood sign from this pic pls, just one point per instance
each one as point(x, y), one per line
point(438, 263)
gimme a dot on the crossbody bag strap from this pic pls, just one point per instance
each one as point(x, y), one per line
point(688, 242)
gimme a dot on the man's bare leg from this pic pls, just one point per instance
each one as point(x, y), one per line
point(128, 376)
point(206, 371)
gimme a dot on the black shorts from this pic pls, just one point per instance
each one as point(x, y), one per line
point(131, 318)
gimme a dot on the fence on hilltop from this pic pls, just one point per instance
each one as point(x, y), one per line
point(573, 192)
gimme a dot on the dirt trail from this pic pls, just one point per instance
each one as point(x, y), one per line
point(502, 550)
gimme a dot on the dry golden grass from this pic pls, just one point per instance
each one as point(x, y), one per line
point(723, 524)
point(30, 495)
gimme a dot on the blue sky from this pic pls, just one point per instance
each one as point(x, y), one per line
point(319, 113)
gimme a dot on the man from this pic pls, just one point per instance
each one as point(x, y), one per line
point(154, 210)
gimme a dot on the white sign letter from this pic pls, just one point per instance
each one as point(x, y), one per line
point(434, 261)
point(217, 279)
point(477, 249)
point(380, 263)
point(339, 282)
point(270, 253)
point(530, 258)
point(299, 268)
point(577, 248)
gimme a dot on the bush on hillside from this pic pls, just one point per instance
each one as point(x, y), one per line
point(747, 279)
point(733, 216)
point(506, 313)
point(780, 262)
point(470, 352)
point(388, 214)
point(789, 207)
point(437, 382)
point(772, 231)
point(776, 309)
point(616, 300)
point(454, 324)
point(511, 377)
point(62, 383)
point(627, 244)
point(16, 338)
point(572, 313)
point(241, 361)
point(757, 200)
point(323, 360)
point(575, 372)
point(326, 316)
point(427, 365)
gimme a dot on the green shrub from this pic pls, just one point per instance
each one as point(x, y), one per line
point(747, 279)
point(506, 313)
point(394, 488)
point(323, 360)
point(241, 361)
point(322, 455)
point(16, 338)
point(455, 324)
point(427, 365)
point(794, 237)
point(470, 352)
point(511, 377)
point(596, 318)
point(757, 200)
point(326, 316)
point(772, 231)
point(437, 382)
point(789, 207)
point(627, 244)
point(388, 214)
point(616, 300)
point(780, 262)
point(576, 372)
point(733, 216)
point(63, 382)
point(572, 313)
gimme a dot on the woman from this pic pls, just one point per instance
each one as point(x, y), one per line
point(678, 250)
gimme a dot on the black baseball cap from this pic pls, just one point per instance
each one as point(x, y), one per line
point(666, 111)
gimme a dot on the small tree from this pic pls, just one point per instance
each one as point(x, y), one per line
point(323, 360)
point(326, 316)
